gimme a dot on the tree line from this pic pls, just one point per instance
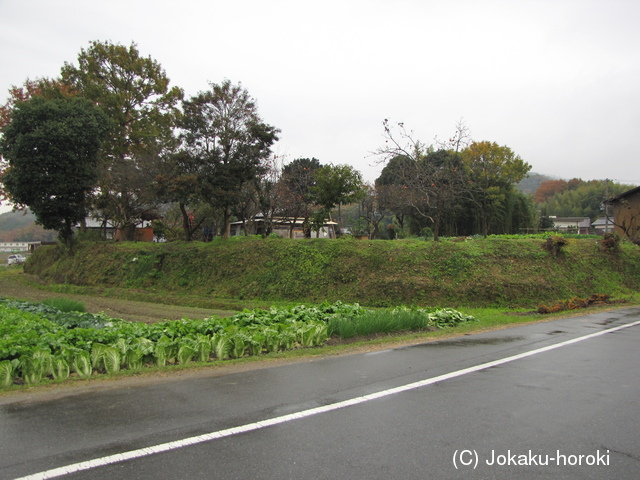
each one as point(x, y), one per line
point(461, 187)
point(112, 139)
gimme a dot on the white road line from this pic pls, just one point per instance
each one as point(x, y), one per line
point(165, 447)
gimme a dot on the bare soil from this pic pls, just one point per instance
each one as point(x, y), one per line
point(116, 308)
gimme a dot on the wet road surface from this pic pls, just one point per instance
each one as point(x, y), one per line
point(557, 399)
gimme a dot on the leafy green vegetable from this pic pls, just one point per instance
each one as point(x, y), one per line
point(38, 342)
point(6, 374)
point(82, 363)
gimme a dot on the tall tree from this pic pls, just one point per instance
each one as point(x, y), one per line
point(296, 198)
point(178, 181)
point(269, 201)
point(337, 185)
point(42, 87)
point(493, 170)
point(372, 211)
point(134, 92)
point(222, 129)
point(52, 148)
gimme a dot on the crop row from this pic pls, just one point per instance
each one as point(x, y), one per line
point(38, 342)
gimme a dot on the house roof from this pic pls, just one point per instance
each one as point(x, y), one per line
point(94, 223)
point(283, 221)
point(602, 221)
point(622, 196)
point(578, 221)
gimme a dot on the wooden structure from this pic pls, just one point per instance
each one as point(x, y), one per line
point(626, 213)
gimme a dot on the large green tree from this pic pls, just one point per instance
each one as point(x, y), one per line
point(222, 130)
point(493, 171)
point(134, 92)
point(42, 87)
point(337, 185)
point(52, 151)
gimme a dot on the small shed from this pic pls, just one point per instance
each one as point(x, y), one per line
point(602, 225)
point(626, 213)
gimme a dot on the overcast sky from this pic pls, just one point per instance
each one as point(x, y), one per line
point(557, 81)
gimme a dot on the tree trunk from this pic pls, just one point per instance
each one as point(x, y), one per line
point(186, 223)
point(226, 233)
point(436, 229)
point(129, 232)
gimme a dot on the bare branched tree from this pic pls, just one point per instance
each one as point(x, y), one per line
point(419, 179)
point(460, 140)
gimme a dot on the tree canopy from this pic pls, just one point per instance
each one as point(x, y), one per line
point(52, 149)
point(492, 171)
point(208, 159)
point(462, 188)
point(134, 92)
point(42, 87)
point(582, 198)
point(222, 129)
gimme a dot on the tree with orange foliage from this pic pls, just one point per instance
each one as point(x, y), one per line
point(548, 189)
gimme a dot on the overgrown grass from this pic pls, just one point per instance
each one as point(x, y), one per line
point(506, 272)
point(65, 304)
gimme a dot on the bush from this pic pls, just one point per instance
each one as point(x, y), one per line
point(427, 233)
point(610, 242)
point(555, 244)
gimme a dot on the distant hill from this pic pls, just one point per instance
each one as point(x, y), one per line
point(21, 227)
point(13, 220)
point(530, 184)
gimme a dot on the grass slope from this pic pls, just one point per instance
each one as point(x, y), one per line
point(485, 272)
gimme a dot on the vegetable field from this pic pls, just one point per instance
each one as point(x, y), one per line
point(39, 342)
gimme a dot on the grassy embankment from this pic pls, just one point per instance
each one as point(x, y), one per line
point(499, 272)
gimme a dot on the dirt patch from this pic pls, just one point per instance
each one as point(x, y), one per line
point(115, 308)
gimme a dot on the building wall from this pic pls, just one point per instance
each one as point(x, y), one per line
point(139, 234)
point(626, 213)
point(16, 246)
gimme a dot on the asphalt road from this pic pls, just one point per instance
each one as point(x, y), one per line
point(557, 399)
